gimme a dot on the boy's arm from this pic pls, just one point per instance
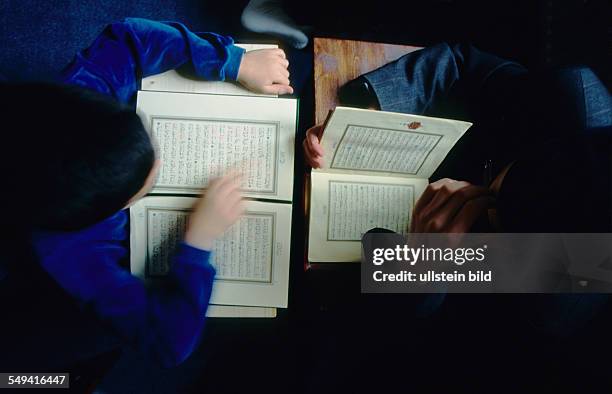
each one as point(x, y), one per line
point(127, 51)
point(162, 322)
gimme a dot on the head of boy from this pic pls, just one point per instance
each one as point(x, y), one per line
point(79, 155)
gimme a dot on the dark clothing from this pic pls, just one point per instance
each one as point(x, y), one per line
point(84, 296)
point(555, 126)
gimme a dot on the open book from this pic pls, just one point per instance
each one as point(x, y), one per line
point(251, 259)
point(200, 136)
point(376, 165)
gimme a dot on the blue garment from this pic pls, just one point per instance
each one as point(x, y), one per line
point(133, 49)
point(163, 322)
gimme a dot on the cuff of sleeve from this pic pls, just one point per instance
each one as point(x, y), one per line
point(189, 253)
point(234, 58)
point(384, 86)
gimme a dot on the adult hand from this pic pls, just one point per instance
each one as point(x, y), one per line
point(265, 71)
point(313, 151)
point(450, 206)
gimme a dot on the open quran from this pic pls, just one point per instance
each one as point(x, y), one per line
point(376, 165)
point(202, 131)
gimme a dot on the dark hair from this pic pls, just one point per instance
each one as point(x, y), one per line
point(75, 156)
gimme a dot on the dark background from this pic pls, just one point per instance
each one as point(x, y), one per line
point(332, 338)
point(39, 37)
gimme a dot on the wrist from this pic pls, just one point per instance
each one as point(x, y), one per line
point(236, 63)
point(199, 241)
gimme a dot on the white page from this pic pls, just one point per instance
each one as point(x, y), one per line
point(251, 259)
point(344, 207)
point(202, 136)
point(386, 143)
point(173, 81)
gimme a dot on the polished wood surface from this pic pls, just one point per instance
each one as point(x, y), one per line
point(339, 61)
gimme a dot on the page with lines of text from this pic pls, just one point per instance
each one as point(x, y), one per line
point(344, 207)
point(251, 259)
point(204, 136)
point(359, 141)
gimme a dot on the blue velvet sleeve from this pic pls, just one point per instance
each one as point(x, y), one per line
point(162, 322)
point(127, 51)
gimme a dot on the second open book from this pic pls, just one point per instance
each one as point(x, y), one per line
point(376, 165)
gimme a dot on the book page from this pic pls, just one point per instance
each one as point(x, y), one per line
point(381, 143)
point(176, 81)
point(203, 136)
point(251, 259)
point(344, 207)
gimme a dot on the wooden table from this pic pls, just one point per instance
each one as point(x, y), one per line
point(338, 61)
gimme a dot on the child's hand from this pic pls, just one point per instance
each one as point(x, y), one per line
point(215, 212)
point(313, 151)
point(265, 71)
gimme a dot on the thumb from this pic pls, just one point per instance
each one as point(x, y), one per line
point(278, 89)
